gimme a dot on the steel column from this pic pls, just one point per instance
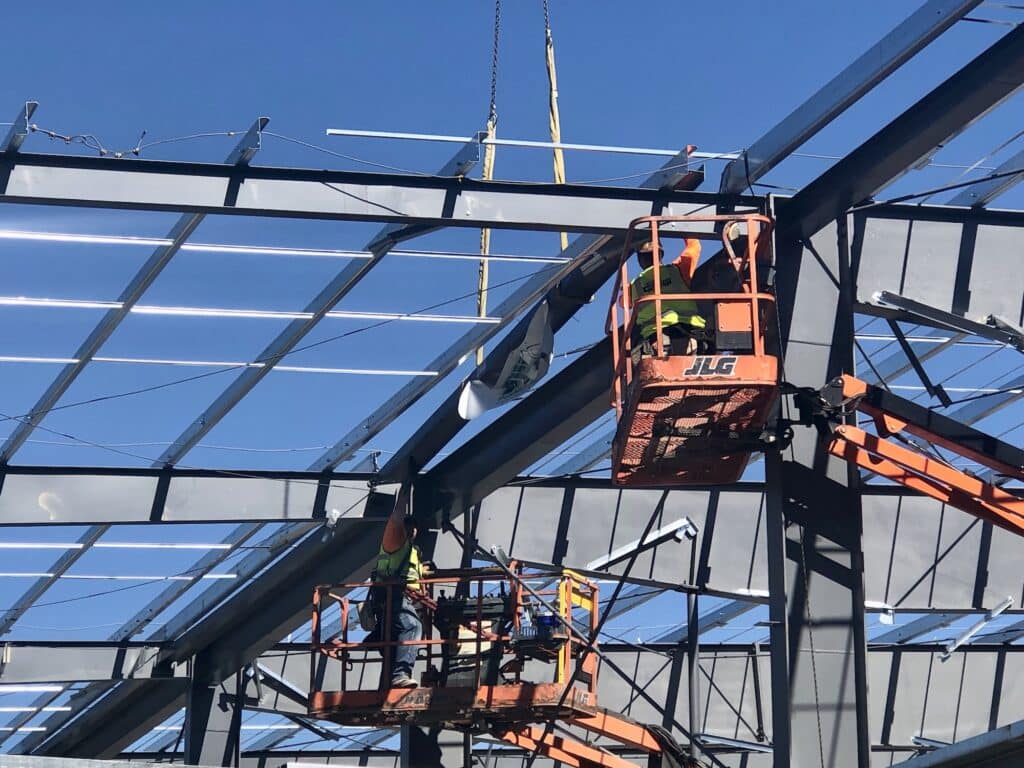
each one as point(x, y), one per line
point(815, 560)
point(213, 719)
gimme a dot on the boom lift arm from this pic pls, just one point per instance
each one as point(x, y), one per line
point(895, 451)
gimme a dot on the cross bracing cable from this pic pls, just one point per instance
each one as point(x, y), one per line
point(266, 361)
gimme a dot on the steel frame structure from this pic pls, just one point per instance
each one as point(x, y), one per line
point(820, 577)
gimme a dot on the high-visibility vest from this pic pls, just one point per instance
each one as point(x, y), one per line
point(401, 564)
point(673, 311)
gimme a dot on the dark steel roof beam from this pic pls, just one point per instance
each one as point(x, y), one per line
point(874, 65)
point(980, 86)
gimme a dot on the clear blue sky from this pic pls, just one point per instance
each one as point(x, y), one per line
point(651, 74)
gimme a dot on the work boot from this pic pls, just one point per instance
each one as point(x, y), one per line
point(404, 682)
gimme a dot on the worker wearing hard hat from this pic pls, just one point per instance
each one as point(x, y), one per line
point(399, 561)
point(681, 320)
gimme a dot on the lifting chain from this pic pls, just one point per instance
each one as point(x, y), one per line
point(492, 114)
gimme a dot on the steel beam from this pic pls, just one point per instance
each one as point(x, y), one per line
point(588, 456)
point(58, 569)
point(192, 612)
point(719, 617)
point(955, 323)
point(284, 667)
point(815, 561)
point(19, 129)
point(226, 639)
point(592, 261)
point(677, 530)
point(1001, 747)
point(897, 364)
point(121, 703)
point(583, 251)
point(213, 595)
point(213, 719)
point(984, 192)
point(558, 409)
point(289, 338)
point(977, 88)
point(1006, 634)
point(66, 496)
point(874, 65)
point(240, 157)
point(56, 663)
point(916, 628)
point(176, 589)
point(405, 199)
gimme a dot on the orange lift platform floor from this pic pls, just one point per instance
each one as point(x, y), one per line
point(694, 418)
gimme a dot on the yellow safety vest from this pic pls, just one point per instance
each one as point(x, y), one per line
point(390, 565)
point(673, 311)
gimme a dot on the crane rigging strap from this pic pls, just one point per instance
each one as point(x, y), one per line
point(554, 122)
point(487, 173)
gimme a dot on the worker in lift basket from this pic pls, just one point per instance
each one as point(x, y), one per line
point(681, 321)
point(399, 561)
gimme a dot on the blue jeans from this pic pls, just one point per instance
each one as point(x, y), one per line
point(405, 626)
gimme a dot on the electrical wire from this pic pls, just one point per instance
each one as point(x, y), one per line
point(91, 141)
point(270, 360)
point(677, 166)
point(937, 190)
point(105, 592)
point(189, 572)
point(585, 434)
point(1008, 391)
point(996, 151)
point(205, 446)
point(174, 140)
point(351, 158)
point(152, 460)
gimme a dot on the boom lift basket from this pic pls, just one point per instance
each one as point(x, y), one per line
point(490, 635)
point(694, 418)
point(483, 635)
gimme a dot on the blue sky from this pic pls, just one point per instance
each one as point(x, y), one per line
point(651, 74)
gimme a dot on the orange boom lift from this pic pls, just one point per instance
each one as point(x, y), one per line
point(694, 419)
point(490, 641)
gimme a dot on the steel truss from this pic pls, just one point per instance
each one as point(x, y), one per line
point(834, 250)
